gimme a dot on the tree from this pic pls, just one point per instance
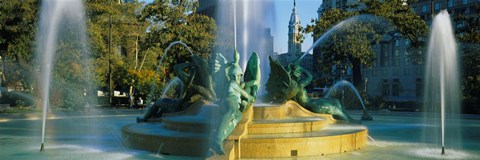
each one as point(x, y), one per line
point(116, 33)
point(352, 41)
point(177, 21)
point(18, 22)
point(469, 37)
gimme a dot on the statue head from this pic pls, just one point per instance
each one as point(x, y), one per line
point(295, 71)
point(235, 74)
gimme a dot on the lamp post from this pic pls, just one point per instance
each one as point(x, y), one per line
point(365, 115)
point(110, 86)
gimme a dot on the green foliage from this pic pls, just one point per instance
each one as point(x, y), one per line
point(352, 42)
point(469, 37)
point(176, 21)
point(403, 18)
point(115, 33)
point(471, 70)
point(18, 23)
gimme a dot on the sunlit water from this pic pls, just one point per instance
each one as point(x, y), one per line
point(60, 22)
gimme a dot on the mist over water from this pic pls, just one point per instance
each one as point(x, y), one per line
point(62, 30)
point(442, 88)
point(252, 20)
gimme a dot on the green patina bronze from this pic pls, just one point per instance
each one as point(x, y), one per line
point(234, 96)
point(240, 95)
point(196, 78)
point(289, 84)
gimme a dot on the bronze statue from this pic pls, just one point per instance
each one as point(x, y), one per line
point(196, 77)
point(289, 84)
point(239, 97)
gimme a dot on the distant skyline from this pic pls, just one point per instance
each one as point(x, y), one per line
point(306, 10)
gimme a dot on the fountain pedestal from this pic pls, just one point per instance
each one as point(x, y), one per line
point(272, 131)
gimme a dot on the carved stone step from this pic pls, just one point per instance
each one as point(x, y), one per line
point(290, 125)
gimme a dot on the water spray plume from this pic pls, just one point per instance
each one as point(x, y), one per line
point(441, 92)
point(160, 62)
point(54, 15)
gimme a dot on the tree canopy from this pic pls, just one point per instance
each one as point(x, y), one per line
point(125, 42)
point(469, 37)
point(367, 24)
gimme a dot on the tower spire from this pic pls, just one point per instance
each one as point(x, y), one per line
point(295, 6)
point(294, 45)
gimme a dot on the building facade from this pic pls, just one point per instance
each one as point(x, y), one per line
point(295, 43)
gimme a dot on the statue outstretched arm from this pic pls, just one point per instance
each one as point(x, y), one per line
point(245, 95)
point(308, 79)
point(180, 70)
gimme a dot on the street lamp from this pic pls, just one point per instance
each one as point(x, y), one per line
point(365, 115)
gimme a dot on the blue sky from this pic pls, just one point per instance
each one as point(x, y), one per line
point(306, 9)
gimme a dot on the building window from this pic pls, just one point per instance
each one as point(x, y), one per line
point(418, 71)
point(396, 58)
point(464, 2)
point(450, 3)
point(419, 87)
point(407, 42)
point(396, 87)
point(437, 6)
point(397, 42)
point(424, 8)
point(386, 88)
point(419, 57)
point(384, 62)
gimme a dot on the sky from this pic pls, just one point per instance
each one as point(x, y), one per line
point(306, 10)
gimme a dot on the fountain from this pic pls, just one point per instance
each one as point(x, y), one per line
point(279, 130)
point(242, 25)
point(60, 22)
point(291, 127)
point(442, 88)
point(153, 85)
point(344, 85)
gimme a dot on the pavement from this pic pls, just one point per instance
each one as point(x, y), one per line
point(96, 134)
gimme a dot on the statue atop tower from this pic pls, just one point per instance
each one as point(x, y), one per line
point(294, 35)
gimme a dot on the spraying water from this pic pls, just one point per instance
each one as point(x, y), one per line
point(348, 85)
point(245, 36)
point(153, 86)
point(243, 25)
point(441, 92)
point(53, 18)
point(174, 82)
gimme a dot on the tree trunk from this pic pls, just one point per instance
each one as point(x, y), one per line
point(2, 77)
point(357, 72)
